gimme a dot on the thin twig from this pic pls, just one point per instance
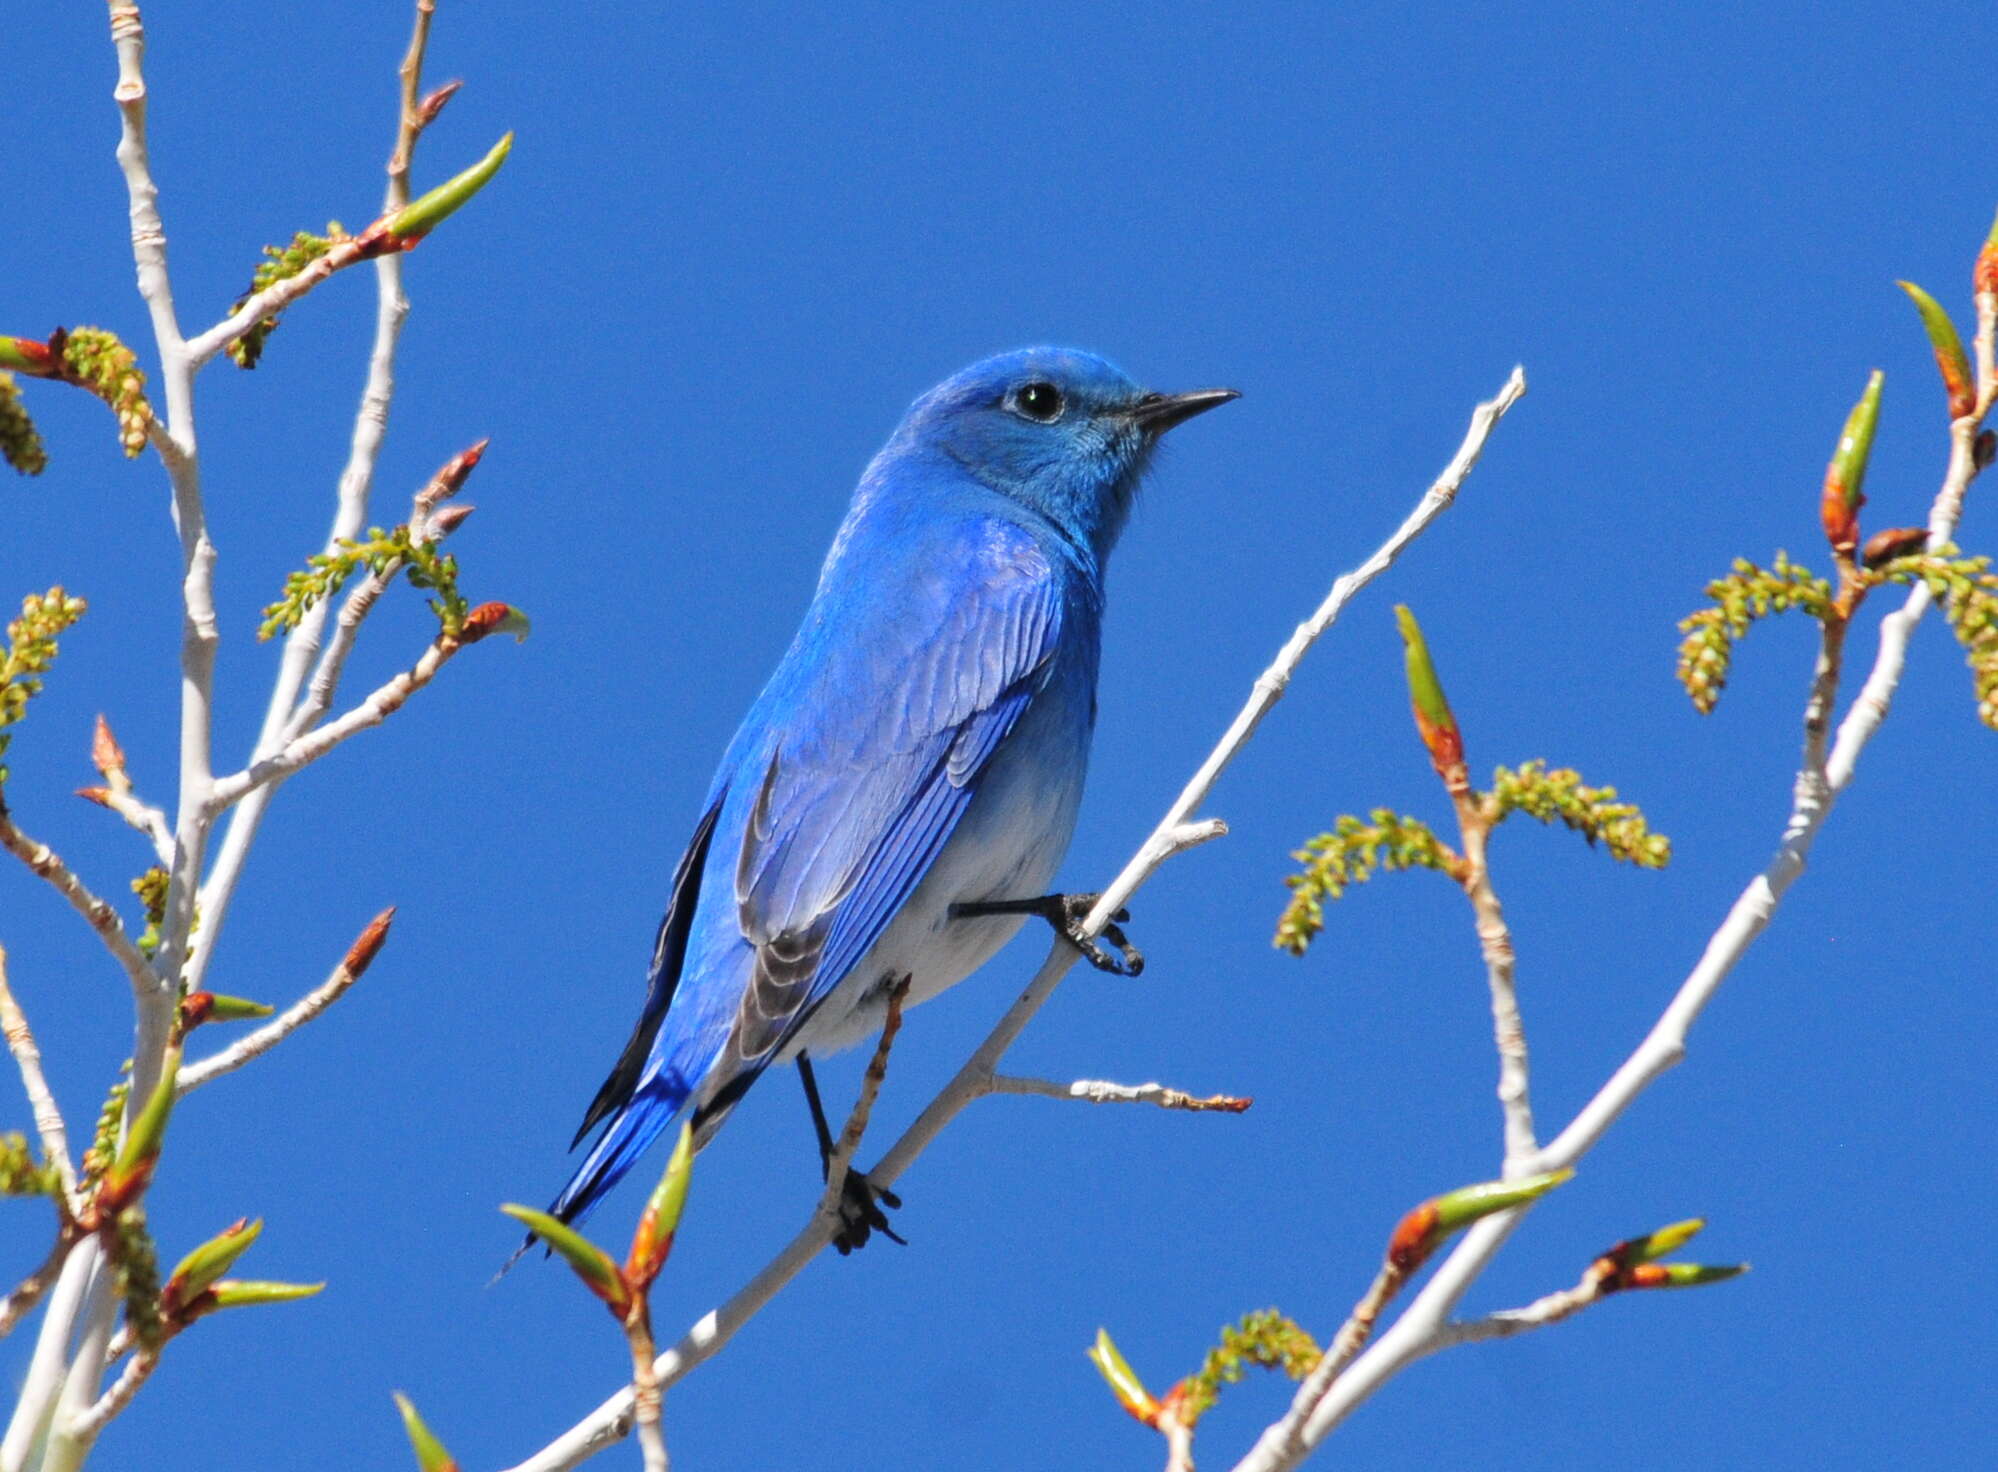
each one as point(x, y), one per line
point(301, 751)
point(1549, 1309)
point(645, 1392)
point(41, 1101)
point(49, 1364)
point(354, 611)
point(1178, 1438)
point(31, 1288)
point(274, 298)
point(1501, 963)
point(1102, 1091)
point(841, 1159)
point(118, 795)
point(289, 1021)
point(93, 1421)
point(103, 919)
point(70, 1438)
point(1269, 688)
point(1352, 1337)
point(1175, 833)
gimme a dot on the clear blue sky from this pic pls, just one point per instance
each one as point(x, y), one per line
point(732, 243)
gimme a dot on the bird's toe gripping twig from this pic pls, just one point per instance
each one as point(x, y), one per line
point(861, 1214)
point(1066, 913)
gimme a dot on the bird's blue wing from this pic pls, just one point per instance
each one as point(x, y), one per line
point(872, 760)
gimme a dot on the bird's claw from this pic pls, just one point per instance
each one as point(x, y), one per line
point(860, 1213)
point(1066, 913)
point(1074, 910)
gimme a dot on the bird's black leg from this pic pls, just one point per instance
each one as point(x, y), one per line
point(1066, 912)
point(861, 1200)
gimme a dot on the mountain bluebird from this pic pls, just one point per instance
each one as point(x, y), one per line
point(902, 791)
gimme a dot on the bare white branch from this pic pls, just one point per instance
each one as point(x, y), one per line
point(44, 861)
point(1179, 1442)
point(1102, 1091)
point(1501, 964)
point(49, 1365)
point(1270, 686)
point(1176, 832)
point(31, 1288)
point(41, 1101)
point(302, 751)
point(270, 301)
point(92, 1422)
point(1550, 1309)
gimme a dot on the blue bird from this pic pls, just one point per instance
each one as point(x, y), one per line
point(900, 795)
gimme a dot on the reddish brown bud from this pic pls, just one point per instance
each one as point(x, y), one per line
point(451, 475)
point(427, 110)
point(99, 795)
point(451, 518)
point(1414, 1239)
point(199, 1007)
point(492, 618)
point(1984, 449)
point(1984, 275)
point(195, 1008)
point(105, 752)
point(362, 953)
point(481, 621)
point(1898, 541)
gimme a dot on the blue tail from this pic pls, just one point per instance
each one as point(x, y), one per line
point(631, 1131)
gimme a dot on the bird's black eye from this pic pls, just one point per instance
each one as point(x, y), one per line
point(1040, 402)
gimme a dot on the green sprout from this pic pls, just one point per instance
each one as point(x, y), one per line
point(104, 1137)
point(137, 1266)
point(98, 361)
point(20, 442)
point(1266, 1340)
point(1348, 855)
point(1593, 812)
point(430, 1453)
point(1967, 589)
point(382, 553)
point(281, 263)
point(1744, 595)
point(20, 1175)
point(31, 649)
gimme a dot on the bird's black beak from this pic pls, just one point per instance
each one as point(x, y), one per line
point(1157, 413)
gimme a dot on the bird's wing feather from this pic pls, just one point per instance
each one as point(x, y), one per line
point(867, 780)
point(669, 954)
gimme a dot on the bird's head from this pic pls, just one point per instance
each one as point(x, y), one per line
point(1063, 432)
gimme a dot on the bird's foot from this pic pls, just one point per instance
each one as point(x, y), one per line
point(1066, 912)
point(860, 1213)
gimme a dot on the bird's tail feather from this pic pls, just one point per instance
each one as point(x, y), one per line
point(635, 1127)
